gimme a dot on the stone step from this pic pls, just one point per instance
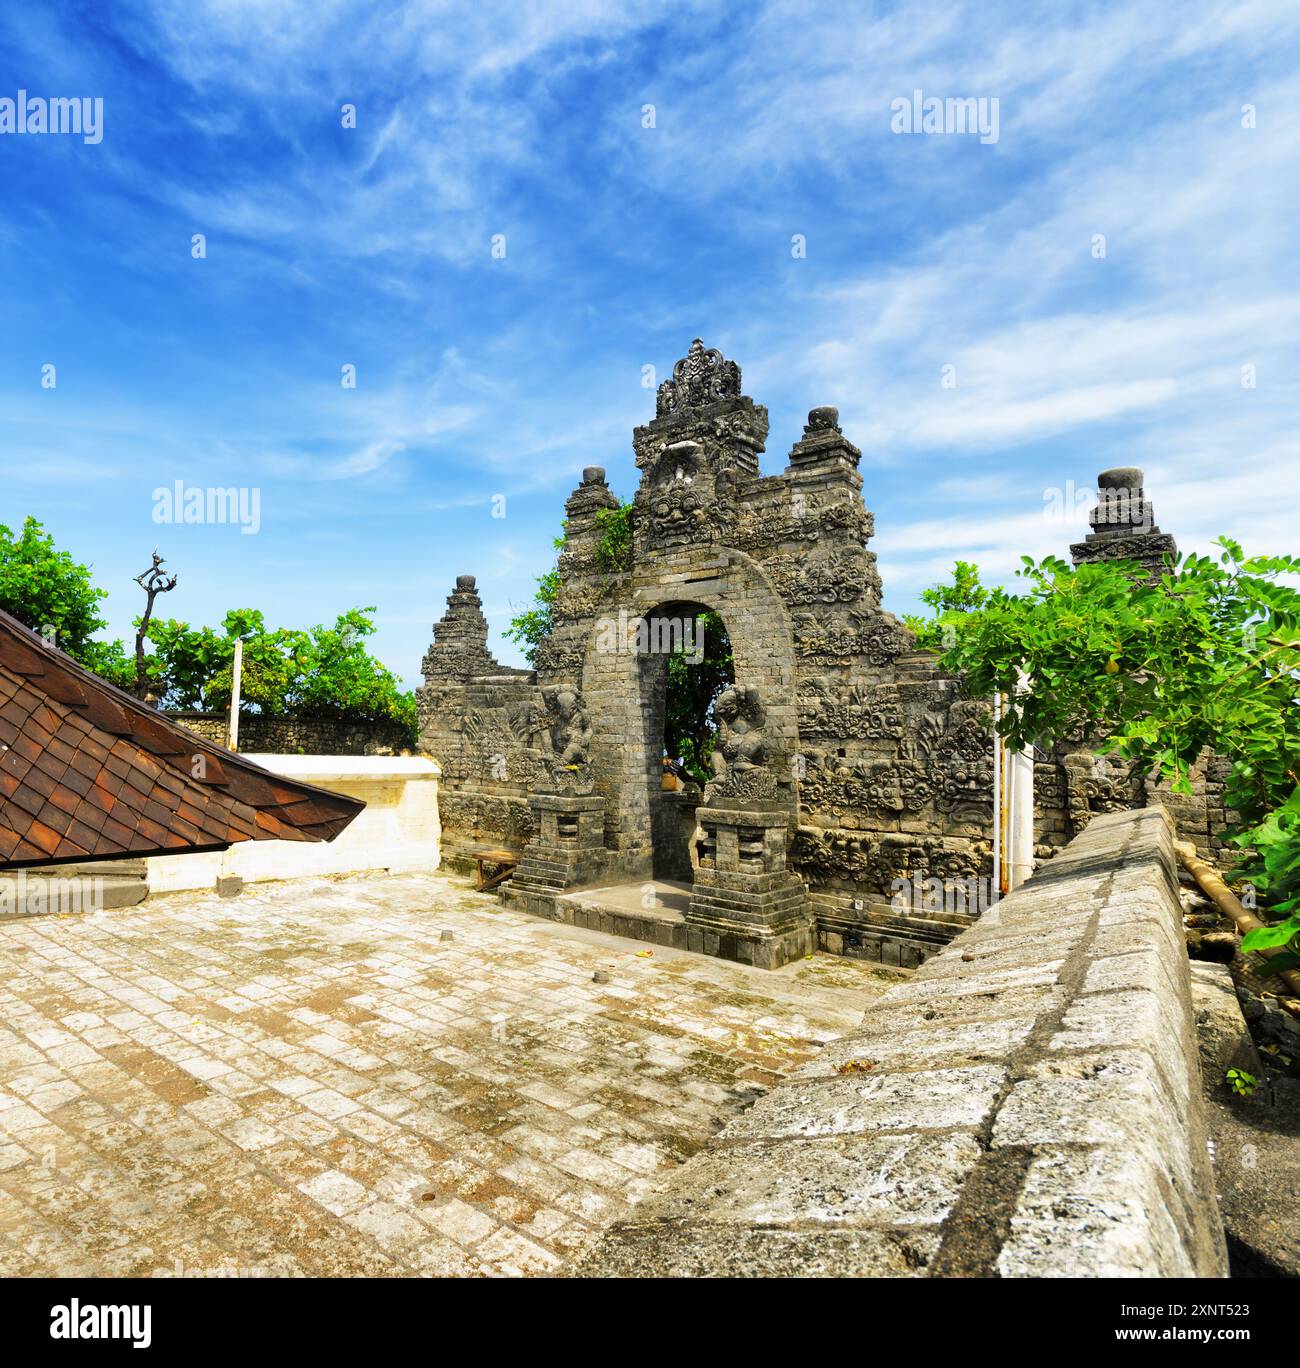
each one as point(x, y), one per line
point(68, 889)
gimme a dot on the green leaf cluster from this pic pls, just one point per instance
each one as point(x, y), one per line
point(695, 683)
point(613, 556)
point(322, 672)
point(1205, 654)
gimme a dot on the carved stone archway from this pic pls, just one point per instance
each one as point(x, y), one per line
point(878, 771)
point(628, 734)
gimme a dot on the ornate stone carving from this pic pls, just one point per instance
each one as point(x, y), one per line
point(703, 376)
point(848, 790)
point(591, 495)
point(823, 445)
point(832, 856)
point(573, 604)
point(840, 578)
point(1123, 524)
point(552, 658)
point(740, 768)
point(827, 856)
point(860, 712)
point(962, 766)
point(459, 646)
point(802, 518)
point(680, 496)
point(830, 636)
point(1096, 783)
point(566, 741)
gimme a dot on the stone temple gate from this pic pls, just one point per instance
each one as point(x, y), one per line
point(849, 765)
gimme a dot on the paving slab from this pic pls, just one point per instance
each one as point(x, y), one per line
point(307, 1079)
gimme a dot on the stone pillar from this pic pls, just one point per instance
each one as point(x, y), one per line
point(746, 904)
point(567, 851)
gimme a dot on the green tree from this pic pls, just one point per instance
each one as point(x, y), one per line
point(45, 588)
point(324, 672)
point(531, 626)
point(949, 603)
point(694, 684)
point(1206, 655)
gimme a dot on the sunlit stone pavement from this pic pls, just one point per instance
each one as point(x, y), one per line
point(307, 1079)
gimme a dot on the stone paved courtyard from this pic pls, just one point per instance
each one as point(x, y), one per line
point(307, 1079)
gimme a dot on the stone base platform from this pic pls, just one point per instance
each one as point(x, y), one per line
point(60, 890)
point(566, 852)
point(621, 910)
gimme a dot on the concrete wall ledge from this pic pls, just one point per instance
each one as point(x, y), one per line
point(319, 769)
point(1028, 1104)
point(398, 831)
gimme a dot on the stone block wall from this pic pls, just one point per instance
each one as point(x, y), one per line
point(1028, 1104)
point(264, 734)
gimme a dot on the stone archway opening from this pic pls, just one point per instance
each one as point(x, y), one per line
point(685, 665)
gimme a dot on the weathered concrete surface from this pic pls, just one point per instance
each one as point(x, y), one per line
point(1256, 1138)
point(398, 830)
point(309, 1079)
point(1028, 1104)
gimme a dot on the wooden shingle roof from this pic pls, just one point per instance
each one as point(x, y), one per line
point(87, 772)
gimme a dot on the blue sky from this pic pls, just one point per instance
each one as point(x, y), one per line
point(329, 246)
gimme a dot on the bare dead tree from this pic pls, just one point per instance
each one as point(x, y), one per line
point(153, 581)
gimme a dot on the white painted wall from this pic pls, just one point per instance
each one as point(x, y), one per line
point(399, 829)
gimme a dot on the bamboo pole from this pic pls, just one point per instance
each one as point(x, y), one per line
point(1228, 903)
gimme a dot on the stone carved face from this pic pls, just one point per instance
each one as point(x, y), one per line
point(677, 509)
point(681, 493)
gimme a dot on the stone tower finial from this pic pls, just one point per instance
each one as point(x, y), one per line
point(460, 637)
point(823, 444)
point(591, 495)
point(703, 376)
point(1123, 524)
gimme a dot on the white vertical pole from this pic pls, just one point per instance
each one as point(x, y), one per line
point(995, 891)
point(232, 731)
point(1020, 838)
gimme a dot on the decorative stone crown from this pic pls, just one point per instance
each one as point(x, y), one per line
point(592, 494)
point(703, 376)
point(1122, 506)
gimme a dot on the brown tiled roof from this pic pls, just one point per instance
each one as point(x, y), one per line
point(87, 771)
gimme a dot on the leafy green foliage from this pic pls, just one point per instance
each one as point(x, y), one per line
point(44, 587)
point(1207, 655)
point(530, 627)
point(110, 661)
point(1241, 1082)
point(614, 549)
point(950, 604)
point(324, 672)
point(613, 556)
point(694, 685)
